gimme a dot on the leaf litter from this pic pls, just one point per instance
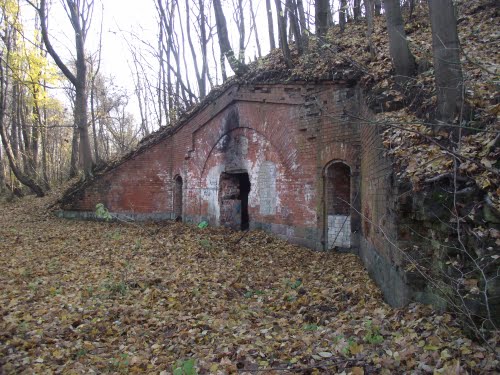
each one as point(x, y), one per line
point(96, 297)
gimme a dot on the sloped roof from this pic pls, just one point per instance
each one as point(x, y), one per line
point(269, 70)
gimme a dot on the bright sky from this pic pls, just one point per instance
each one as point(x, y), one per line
point(122, 18)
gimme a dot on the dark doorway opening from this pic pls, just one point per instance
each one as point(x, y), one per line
point(178, 198)
point(234, 189)
point(337, 180)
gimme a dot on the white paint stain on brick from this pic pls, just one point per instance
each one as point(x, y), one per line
point(339, 231)
point(267, 188)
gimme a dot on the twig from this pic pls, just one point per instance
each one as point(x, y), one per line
point(302, 369)
point(445, 176)
point(432, 140)
point(243, 235)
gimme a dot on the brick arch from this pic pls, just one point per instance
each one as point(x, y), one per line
point(245, 152)
point(275, 149)
point(337, 201)
point(340, 152)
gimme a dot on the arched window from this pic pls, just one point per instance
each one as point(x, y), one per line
point(337, 205)
point(178, 198)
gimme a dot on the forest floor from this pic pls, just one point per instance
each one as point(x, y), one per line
point(96, 297)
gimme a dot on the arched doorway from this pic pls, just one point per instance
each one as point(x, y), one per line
point(178, 198)
point(337, 224)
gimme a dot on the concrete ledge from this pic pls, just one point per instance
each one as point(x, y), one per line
point(90, 215)
point(389, 278)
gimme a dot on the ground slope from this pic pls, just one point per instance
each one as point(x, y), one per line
point(105, 297)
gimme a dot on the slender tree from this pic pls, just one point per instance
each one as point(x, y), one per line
point(21, 91)
point(401, 56)
point(240, 22)
point(321, 18)
point(270, 24)
point(201, 75)
point(356, 9)
point(255, 29)
point(2, 173)
point(369, 30)
point(237, 66)
point(304, 26)
point(295, 25)
point(446, 56)
point(342, 15)
point(79, 13)
point(282, 33)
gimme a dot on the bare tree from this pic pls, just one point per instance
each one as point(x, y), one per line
point(304, 26)
point(238, 67)
point(446, 56)
point(369, 31)
point(15, 87)
point(294, 25)
point(95, 66)
point(270, 24)
point(321, 18)
point(240, 23)
point(282, 33)
point(255, 28)
point(342, 15)
point(201, 76)
point(356, 10)
point(401, 56)
point(2, 173)
point(80, 15)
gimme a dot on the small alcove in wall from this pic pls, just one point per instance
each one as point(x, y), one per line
point(337, 205)
point(177, 204)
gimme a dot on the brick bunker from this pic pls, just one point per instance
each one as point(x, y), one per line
point(285, 158)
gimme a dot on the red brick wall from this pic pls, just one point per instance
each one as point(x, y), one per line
point(379, 192)
point(283, 136)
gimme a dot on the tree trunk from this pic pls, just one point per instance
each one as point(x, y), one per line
point(369, 32)
point(356, 10)
point(2, 173)
point(270, 24)
point(378, 7)
point(22, 177)
point(329, 22)
point(282, 33)
point(321, 17)
point(223, 67)
point(79, 81)
point(402, 58)
point(14, 138)
point(73, 168)
point(294, 25)
point(257, 41)
point(412, 8)
point(446, 56)
point(304, 27)
point(93, 115)
point(225, 46)
point(203, 41)
point(241, 29)
point(342, 15)
point(5, 54)
point(45, 167)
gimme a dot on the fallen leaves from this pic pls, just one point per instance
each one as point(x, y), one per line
point(85, 296)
